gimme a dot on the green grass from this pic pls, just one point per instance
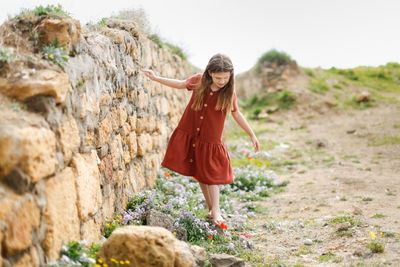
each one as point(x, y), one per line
point(384, 140)
point(357, 105)
point(379, 216)
point(326, 257)
point(383, 78)
point(39, 11)
point(318, 86)
point(346, 218)
point(282, 99)
point(174, 49)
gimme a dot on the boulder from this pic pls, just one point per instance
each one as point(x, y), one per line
point(225, 260)
point(364, 96)
point(146, 246)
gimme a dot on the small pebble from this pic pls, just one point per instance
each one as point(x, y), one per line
point(343, 227)
point(308, 242)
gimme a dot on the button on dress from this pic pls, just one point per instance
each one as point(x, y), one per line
point(195, 147)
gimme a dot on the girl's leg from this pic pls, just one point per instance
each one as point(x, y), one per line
point(216, 211)
point(206, 193)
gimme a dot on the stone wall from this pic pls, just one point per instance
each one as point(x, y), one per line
point(76, 141)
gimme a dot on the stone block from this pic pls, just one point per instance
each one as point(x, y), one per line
point(87, 184)
point(108, 206)
point(132, 95)
point(155, 141)
point(69, 139)
point(144, 144)
point(42, 82)
point(116, 151)
point(104, 131)
point(123, 116)
point(127, 157)
point(89, 138)
point(164, 107)
point(132, 143)
point(91, 231)
point(143, 100)
point(132, 121)
point(18, 235)
point(115, 118)
point(105, 100)
point(151, 124)
point(105, 167)
point(61, 212)
point(90, 104)
point(141, 125)
point(125, 130)
point(30, 148)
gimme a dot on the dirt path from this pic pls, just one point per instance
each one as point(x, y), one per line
point(347, 170)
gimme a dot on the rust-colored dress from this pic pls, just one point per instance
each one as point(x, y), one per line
point(195, 147)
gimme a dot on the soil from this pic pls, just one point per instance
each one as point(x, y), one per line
point(346, 169)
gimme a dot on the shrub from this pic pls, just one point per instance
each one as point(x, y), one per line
point(274, 55)
point(376, 246)
point(51, 10)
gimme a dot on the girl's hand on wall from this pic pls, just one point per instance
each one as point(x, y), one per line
point(255, 144)
point(149, 73)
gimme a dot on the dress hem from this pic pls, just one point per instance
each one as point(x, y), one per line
point(191, 174)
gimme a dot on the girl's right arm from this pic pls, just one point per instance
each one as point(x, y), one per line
point(178, 84)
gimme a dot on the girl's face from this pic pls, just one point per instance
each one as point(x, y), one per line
point(220, 79)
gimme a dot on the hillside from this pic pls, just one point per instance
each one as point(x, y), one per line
point(333, 135)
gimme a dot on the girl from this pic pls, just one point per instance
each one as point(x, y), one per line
point(195, 147)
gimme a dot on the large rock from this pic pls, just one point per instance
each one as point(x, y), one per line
point(61, 212)
point(31, 149)
point(87, 184)
point(146, 246)
point(18, 235)
point(67, 31)
point(225, 260)
point(41, 82)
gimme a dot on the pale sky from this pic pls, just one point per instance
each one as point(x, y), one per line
point(315, 33)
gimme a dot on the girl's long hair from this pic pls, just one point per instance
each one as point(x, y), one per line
point(218, 63)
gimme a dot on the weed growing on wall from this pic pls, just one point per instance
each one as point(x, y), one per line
point(49, 10)
point(56, 53)
point(77, 254)
point(6, 56)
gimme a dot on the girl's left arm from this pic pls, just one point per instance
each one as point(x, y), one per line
point(239, 118)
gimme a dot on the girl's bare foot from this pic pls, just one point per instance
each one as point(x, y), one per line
point(217, 217)
point(209, 215)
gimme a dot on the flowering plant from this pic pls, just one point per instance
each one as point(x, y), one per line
point(55, 53)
